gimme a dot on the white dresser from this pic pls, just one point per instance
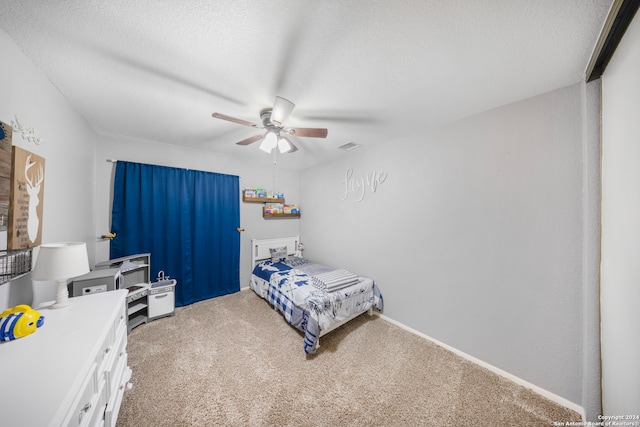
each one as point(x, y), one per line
point(73, 370)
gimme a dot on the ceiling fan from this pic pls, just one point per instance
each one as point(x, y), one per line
point(276, 133)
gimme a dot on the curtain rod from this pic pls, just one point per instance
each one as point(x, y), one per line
point(116, 161)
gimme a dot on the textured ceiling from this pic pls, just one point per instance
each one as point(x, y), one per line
point(368, 70)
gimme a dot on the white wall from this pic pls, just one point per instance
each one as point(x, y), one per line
point(69, 152)
point(475, 237)
point(259, 174)
point(621, 227)
point(78, 179)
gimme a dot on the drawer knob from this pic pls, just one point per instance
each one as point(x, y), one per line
point(86, 407)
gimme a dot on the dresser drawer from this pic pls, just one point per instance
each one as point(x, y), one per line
point(84, 405)
point(105, 353)
point(121, 318)
point(97, 418)
point(122, 375)
point(114, 376)
point(109, 350)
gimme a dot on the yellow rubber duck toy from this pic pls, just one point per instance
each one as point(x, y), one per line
point(18, 322)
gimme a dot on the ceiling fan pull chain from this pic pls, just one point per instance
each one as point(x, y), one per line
point(273, 177)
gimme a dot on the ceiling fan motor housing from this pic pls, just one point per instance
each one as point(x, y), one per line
point(265, 116)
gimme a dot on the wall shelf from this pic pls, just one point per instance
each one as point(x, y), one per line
point(260, 199)
point(265, 201)
point(280, 215)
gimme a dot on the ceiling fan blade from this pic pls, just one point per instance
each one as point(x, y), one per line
point(308, 132)
point(250, 140)
point(281, 110)
point(235, 120)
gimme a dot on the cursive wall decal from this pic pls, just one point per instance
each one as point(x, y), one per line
point(358, 186)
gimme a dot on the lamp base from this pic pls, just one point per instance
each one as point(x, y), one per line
point(60, 305)
point(62, 296)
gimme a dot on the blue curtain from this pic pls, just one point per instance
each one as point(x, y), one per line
point(187, 220)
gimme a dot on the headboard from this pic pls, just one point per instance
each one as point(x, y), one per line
point(260, 247)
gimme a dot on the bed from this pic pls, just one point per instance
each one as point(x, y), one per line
point(313, 298)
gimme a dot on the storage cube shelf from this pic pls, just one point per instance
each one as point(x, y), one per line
point(135, 278)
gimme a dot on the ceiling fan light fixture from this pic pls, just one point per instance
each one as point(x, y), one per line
point(281, 110)
point(284, 145)
point(269, 142)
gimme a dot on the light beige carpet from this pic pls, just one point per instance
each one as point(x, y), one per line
point(234, 361)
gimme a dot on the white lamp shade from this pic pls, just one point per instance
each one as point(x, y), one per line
point(61, 261)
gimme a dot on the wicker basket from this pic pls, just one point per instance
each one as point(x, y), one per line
point(14, 263)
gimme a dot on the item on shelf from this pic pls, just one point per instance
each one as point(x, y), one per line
point(18, 322)
point(272, 208)
point(260, 195)
point(291, 209)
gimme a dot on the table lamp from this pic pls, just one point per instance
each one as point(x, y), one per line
point(60, 262)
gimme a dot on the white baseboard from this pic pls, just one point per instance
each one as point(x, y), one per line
point(546, 393)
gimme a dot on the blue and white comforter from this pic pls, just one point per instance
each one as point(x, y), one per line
point(293, 288)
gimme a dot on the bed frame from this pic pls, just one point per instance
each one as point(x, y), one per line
point(260, 252)
point(260, 247)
